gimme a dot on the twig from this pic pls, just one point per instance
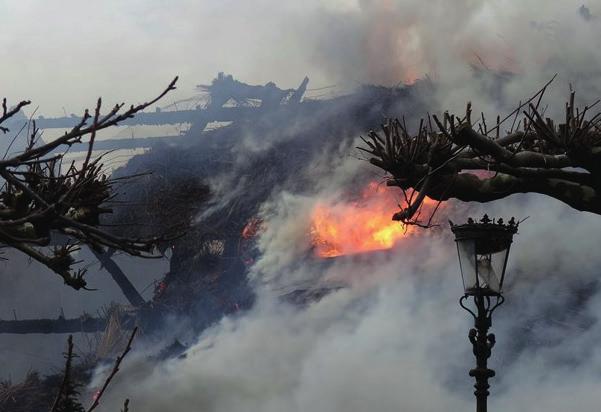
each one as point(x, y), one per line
point(66, 376)
point(114, 372)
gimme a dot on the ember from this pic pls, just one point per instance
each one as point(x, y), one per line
point(252, 228)
point(360, 226)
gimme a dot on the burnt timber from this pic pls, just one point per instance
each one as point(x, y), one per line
point(85, 324)
point(247, 102)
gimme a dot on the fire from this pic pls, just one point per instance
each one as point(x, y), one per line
point(360, 226)
point(252, 228)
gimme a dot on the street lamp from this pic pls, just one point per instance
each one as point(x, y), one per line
point(483, 249)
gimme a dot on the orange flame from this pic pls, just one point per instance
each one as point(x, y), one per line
point(361, 226)
point(252, 228)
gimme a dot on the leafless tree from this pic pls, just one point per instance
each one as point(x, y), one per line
point(48, 208)
point(468, 159)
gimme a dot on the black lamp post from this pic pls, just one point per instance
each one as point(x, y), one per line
point(483, 249)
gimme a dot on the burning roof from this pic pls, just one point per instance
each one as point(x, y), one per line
point(214, 182)
point(248, 162)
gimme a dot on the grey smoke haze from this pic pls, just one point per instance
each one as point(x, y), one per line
point(33, 291)
point(125, 51)
point(395, 339)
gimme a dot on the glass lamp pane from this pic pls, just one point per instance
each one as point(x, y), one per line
point(490, 270)
point(467, 261)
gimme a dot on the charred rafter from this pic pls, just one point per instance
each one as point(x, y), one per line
point(85, 324)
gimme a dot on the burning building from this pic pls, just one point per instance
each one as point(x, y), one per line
point(263, 191)
point(207, 186)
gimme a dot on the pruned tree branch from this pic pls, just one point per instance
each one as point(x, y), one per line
point(47, 210)
point(472, 162)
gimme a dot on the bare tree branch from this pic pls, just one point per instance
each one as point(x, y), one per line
point(561, 160)
point(66, 376)
point(40, 202)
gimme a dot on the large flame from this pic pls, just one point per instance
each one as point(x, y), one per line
point(360, 226)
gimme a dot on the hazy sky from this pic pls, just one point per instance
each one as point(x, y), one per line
point(66, 53)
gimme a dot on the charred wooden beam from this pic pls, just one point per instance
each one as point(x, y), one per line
point(85, 324)
point(146, 118)
point(135, 143)
point(128, 289)
point(298, 94)
point(221, 90)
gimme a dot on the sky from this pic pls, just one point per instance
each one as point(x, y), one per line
point(63, 54)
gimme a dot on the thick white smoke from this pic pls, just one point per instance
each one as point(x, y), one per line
point(461, 47)
point(395, 338)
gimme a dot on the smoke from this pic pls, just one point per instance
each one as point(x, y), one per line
point(395, 338)
point(465, 48)
point(344, 43)
point(354, 349)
